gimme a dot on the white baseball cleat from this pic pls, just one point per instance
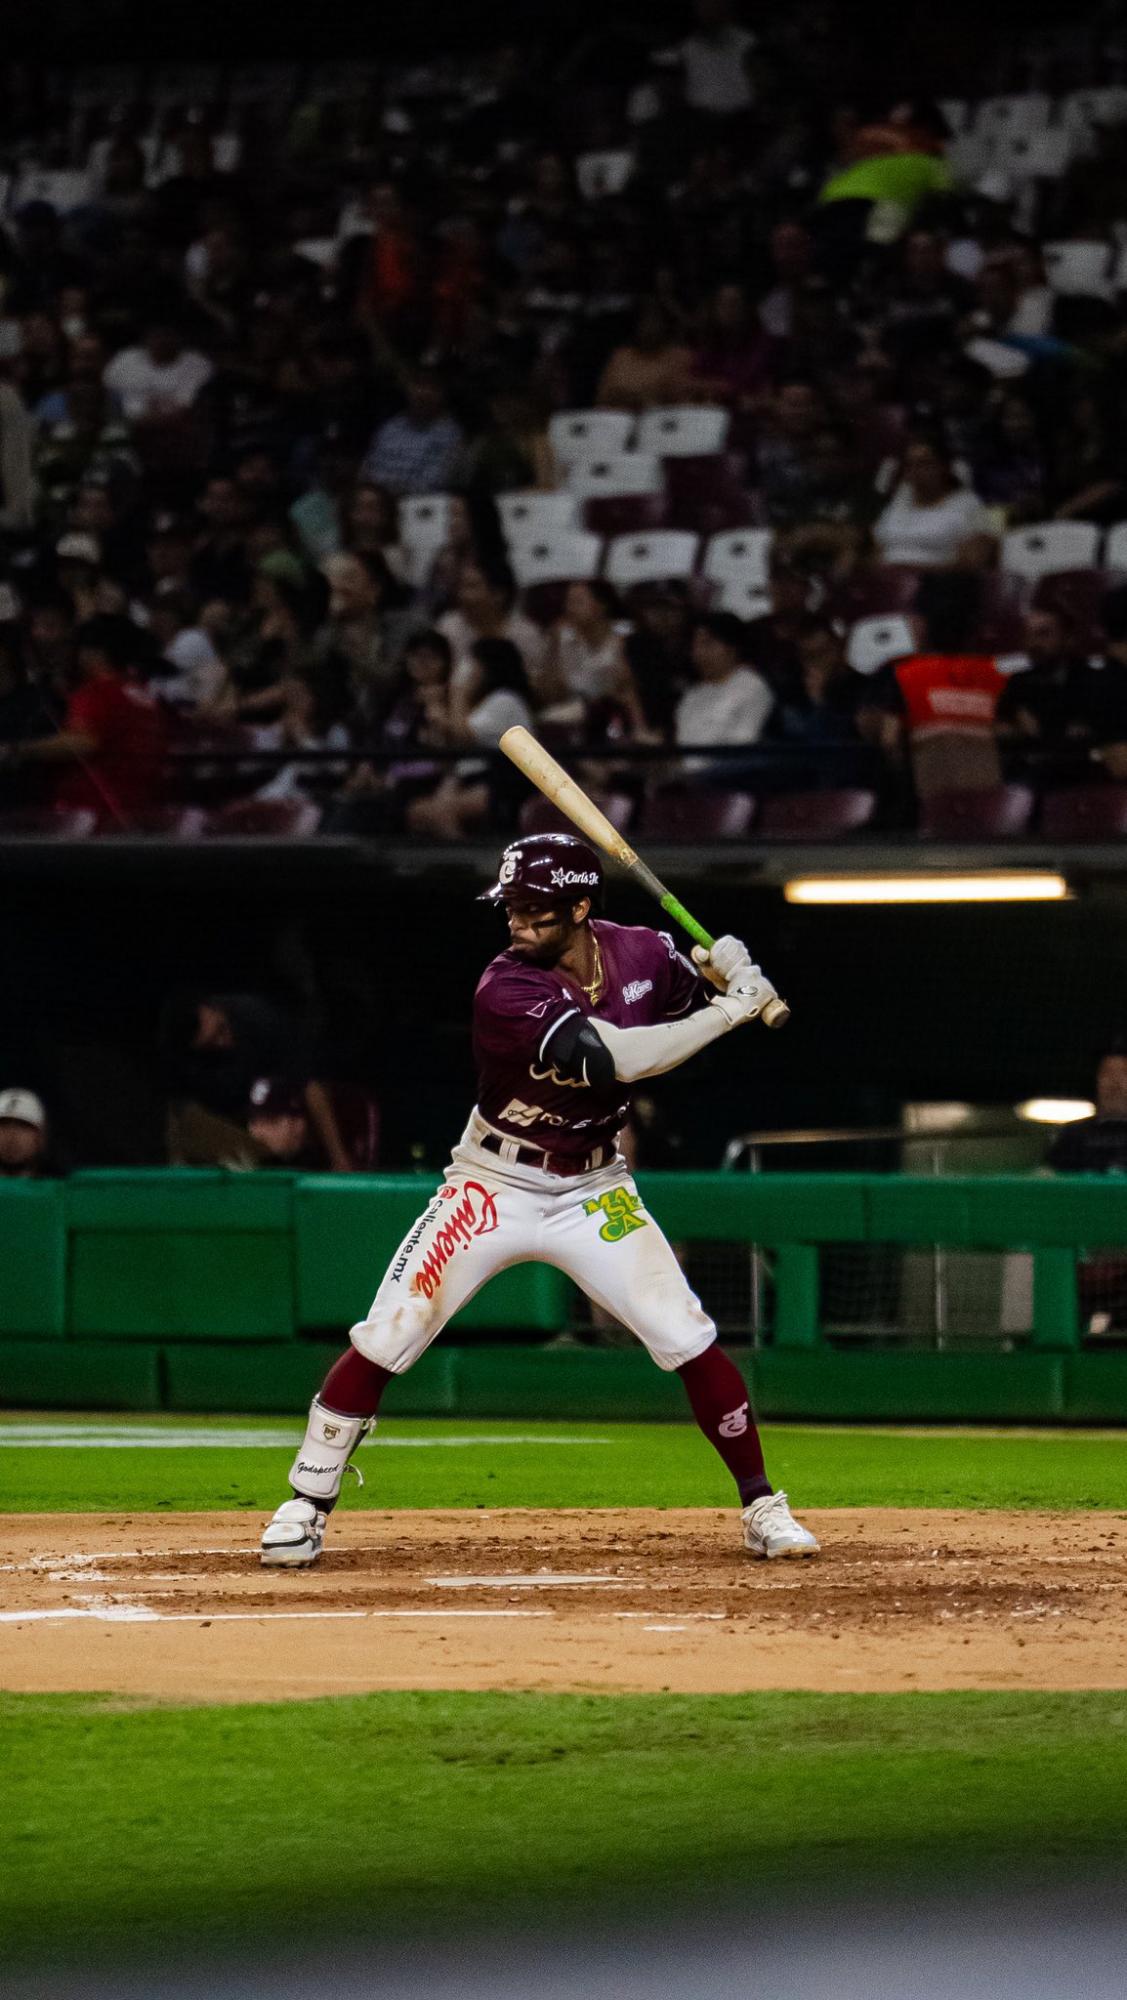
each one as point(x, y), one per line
point(771, 1530)
point(293, 1538)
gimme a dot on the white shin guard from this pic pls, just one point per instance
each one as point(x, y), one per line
point(326, 1448)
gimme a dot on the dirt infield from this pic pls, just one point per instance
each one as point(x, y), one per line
point(178, 1607)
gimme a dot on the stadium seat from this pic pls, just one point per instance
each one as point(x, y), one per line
point(873, 642)
point(1049, 547)
point(815, 815)
point(999, 117)
point(686, 815)
point(1079, 269)
point(585, 433)
point(708, 494)
point(612, 475)
point(1083, 110)
point(1115, 548)
point(740, 556)
point(528, 515)
point(627, 514)
point(653, 558)
point(1034, 156)
point(745, 600)
point(171, 822)
point(603, 173)
point(878, 592)
point(1085, 812)
point(424, 528)
point(1077, 594)
point(692, 430)
point(539, 815)
point(47, 823)
point(998, 813)
point(283, 819)
point(565, 555)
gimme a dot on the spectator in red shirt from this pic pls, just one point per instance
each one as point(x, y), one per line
point(111, 746)
point(950, 693)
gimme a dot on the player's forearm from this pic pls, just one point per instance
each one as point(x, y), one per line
point(639, 1052)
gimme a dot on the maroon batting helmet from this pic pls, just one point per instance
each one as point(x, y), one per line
point(547, 868)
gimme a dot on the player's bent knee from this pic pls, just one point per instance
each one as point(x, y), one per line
point(394, 1336)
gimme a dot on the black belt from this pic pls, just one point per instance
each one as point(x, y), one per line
point(552, 1163)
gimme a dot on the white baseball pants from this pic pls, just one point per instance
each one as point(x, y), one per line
point(489, 1213)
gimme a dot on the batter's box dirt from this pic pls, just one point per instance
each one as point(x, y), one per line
point(178, 1606)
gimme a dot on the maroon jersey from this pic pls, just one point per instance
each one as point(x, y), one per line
point(518, 1006)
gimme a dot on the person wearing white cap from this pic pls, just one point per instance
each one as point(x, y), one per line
point(23, 1135)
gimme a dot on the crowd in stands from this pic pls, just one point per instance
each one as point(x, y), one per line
point(746, 439)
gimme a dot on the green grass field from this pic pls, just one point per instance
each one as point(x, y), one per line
point(137, 1828)
point(393, 1813)
point(465, 1464)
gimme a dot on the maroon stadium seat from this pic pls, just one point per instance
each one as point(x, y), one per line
point(708, 494)
point(46, 823)
point(625, 513)
point(280, 818)
point(685, 815)
point(877, 593)
point(824, 815)
point(539, 815)
point(1077, 594)
point(997, 813)
point(1085, 812)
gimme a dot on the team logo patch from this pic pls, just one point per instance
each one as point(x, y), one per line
point(475, 1215)
point(620, 1209)
point(735, 1423)
point(637, 990)
point(507, 871)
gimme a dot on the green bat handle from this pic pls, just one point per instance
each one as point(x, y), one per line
point(680, 915)
point(776, 1013)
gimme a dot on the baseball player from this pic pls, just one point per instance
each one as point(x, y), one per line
point(565, 1021)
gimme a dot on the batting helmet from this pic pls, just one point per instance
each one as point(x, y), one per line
point(547, 868)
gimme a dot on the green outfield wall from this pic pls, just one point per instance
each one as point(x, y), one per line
point(215, 1291)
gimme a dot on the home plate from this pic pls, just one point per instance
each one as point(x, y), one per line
point(543, 1579)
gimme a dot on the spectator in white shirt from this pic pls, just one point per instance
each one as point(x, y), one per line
point(486, 601)
point(161, 378)
point(715, 60)
point(932, 521)
point(196, 676)
point(730, 702)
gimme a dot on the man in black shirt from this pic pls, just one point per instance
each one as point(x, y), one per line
point(1098, 1145)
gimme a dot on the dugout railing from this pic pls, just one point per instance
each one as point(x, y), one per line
point(208, 1290)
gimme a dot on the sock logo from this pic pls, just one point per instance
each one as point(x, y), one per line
point(735, 1423)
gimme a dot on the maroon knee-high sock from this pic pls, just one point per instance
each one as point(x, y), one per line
point(354, 1385)
point(722, 1408)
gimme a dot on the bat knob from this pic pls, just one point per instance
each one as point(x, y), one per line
point(775, 1014)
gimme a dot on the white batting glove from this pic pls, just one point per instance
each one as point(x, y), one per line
point(745, 998)
point(728, 956)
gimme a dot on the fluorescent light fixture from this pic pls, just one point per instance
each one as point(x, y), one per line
point(1054, 1110)
point(994, 887)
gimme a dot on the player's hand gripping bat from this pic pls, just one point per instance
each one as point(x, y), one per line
point(550, 778)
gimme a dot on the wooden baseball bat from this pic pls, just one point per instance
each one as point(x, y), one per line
point(550, 778)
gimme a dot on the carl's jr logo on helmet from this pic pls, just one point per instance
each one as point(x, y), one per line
point(572, 878)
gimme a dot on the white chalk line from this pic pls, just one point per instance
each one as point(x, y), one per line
point(107, 1437)
point(544, 1579)
point(140, 1614)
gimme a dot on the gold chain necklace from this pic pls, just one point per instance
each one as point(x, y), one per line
point(593, 991)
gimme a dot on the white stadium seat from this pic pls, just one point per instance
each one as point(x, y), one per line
point(873, 642)
point(529, 513)
point(600, 174)
point(565, 555)
point(689, 430)
point(615, 475)
point(1079, 269)
point(997, 116)
point(1049, 547)
point(739, 556)
point(1115, 548)
point(575, 433)
point(744, 598)
point(652, 558)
